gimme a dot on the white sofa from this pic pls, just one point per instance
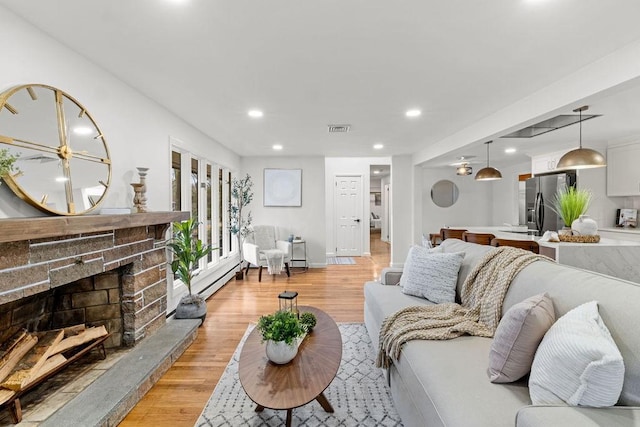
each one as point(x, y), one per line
point(445, 383)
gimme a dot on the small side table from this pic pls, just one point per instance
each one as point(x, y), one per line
point(303, 259)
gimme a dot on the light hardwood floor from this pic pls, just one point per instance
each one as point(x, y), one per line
point(180, 395)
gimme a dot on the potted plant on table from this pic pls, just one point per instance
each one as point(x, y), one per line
point(570, 204)
point(284, 332)
point(240, 226)
point(187, 251)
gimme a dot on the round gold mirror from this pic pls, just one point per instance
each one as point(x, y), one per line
point(444, 193)
point(63, 159)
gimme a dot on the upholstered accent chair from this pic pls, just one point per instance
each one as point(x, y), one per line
point(262, 244)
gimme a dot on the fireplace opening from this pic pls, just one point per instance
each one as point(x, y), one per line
point(91, 301)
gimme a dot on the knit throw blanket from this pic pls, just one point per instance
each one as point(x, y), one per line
point(482, 297)
point(275, 260)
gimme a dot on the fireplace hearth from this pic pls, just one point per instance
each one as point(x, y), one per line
point(97, 270)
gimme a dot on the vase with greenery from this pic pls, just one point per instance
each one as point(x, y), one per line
point(239, 224)
point(569, 203)
point(283, 332)
point(187, 251)
point(7, 162)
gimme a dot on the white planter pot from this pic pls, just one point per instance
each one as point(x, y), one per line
point(279, 352)
point(584, 226)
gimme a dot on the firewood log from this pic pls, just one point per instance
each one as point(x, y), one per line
point(31, 363)
point(88, 335)
point(12, 351)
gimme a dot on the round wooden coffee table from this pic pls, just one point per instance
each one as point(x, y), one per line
point(300, 381)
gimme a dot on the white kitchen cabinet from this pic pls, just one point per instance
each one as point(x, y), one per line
point(623, 174)
point(546, 163)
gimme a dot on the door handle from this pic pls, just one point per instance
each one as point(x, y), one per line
point(357, 220)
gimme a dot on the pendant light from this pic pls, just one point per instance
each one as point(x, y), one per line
point(581, 158)
point(464, 169)
point(488, 173)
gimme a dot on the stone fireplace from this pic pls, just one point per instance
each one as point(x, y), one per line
point(96, 269)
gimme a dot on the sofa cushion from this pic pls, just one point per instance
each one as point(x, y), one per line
point(517, 338)
point(431, 275)
point(577, 362)
point(447, 382)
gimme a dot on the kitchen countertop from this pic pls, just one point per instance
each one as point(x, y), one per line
point(614, 257)
point(621, 230)
point(503, 233)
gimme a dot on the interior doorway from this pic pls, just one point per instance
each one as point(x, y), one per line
point(379, 186)
point(348, 207)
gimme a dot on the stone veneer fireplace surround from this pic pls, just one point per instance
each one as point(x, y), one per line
point(41, 254)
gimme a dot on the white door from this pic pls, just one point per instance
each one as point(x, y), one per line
point(348, 208)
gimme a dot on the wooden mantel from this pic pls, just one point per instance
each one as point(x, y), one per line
point(18, 229)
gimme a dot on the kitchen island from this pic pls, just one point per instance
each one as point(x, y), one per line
point(613, 257)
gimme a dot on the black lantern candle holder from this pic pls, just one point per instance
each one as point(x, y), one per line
point(288, 300)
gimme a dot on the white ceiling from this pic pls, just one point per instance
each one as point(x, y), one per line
point(364, 63)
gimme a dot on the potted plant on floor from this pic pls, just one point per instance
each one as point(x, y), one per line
point(240, 226)
point(283, 333)
point(187, 251)
point(570, 203)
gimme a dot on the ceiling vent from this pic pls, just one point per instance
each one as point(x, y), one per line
point(549, 125)
point(339, 128)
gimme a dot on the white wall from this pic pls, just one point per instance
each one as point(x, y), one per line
point(307, 221)
point(136, 129)
point(402, 202)
point(473, 208)
point(505, 209)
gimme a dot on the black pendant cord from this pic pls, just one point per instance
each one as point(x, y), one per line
point(581, 129)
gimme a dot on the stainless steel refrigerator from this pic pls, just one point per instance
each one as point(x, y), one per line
point(539, 193)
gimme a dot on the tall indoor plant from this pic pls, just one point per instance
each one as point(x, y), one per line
point(570, 202)
point(239, 225)
point(188, 250)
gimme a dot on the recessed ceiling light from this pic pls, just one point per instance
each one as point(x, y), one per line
point(61, 179)
point(277, 147)
point(509, 150)
point(255, 113)
point(413, 113)
point(378, 146)
point(376, 172)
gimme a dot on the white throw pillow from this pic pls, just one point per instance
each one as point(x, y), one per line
point(431, 275)
point(577, 362)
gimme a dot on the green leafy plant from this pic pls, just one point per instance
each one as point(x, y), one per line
point(187, 250)
point(570, 203)
point(308, 321)
point(241, 195)
point(280, 326)
point(7, 161)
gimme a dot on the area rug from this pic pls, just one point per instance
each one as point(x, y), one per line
point(340, 260)
point(358, 394)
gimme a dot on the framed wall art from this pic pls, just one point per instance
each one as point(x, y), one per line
point(283, 187)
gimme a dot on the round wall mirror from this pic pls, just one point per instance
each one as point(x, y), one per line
point(63, 159)
point(444, 193)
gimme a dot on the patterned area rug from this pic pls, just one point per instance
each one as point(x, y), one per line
point(358, 394)
point(340, 260)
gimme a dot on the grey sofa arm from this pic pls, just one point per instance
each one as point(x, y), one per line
point(390, 275)
point(539, 416)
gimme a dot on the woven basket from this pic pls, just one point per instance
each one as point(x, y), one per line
point(579, 239)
